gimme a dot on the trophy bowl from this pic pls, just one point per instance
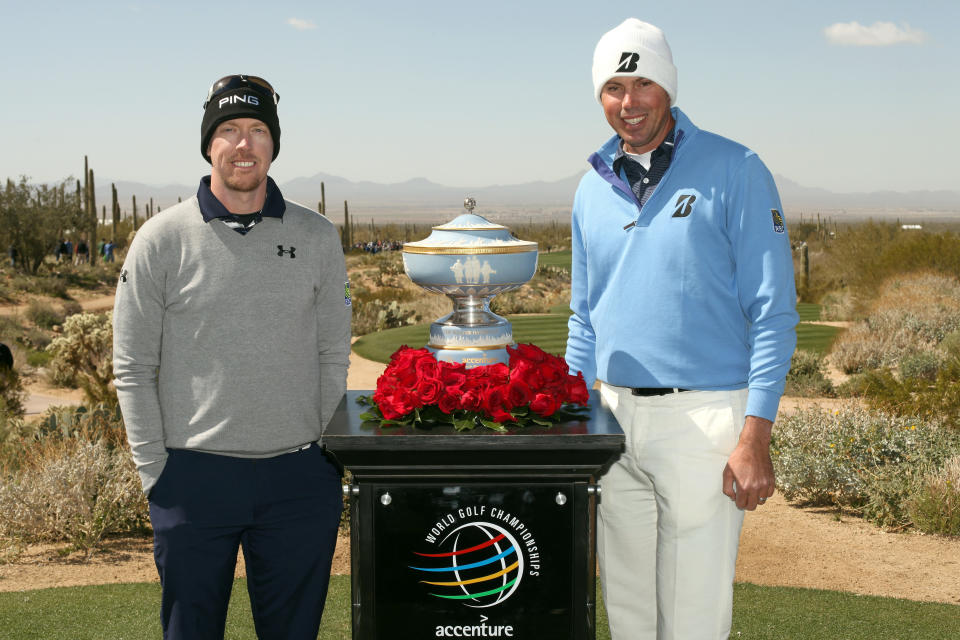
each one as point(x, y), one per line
point(470, 259)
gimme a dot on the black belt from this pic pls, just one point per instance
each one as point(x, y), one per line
point(655, 391)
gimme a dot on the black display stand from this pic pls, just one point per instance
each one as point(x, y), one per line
point(473, 534)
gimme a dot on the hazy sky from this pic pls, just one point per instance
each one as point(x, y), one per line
point(845, 95)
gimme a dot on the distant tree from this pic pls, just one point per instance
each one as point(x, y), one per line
point(31, 220)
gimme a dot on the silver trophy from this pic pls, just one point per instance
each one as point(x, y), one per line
point(470, 259)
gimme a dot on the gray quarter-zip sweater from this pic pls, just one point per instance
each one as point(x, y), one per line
point(226, 343)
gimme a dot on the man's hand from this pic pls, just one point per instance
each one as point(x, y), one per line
point(748, 477)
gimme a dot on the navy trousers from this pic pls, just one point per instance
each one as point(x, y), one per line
point(284, 512)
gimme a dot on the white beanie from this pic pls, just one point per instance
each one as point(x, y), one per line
point(635, 48)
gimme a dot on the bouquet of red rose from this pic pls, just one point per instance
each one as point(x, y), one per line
point(536, 388)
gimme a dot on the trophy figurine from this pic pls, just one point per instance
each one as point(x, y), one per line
point(470, 259)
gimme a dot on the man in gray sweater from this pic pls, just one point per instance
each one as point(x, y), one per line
point(231, 347)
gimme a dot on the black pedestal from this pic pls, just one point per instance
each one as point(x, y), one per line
point(475, 534)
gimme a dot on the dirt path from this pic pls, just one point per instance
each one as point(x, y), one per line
point(98, 303)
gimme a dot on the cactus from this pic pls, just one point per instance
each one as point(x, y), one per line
point(323, 199)
point(135, 212)
point(346, 227)
point(92, 212)
point(116, 212)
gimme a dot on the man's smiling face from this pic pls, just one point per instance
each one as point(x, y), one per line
point(240, 154)
point(638, 110)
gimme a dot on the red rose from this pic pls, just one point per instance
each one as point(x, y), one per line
point(518, 393)
point(396, 405)
point(527, 372)
point(429, 390)
point(426, 367)
point(528, 352)
point(553, 369)
point(403, 364)
point(448, 403)
point(492, 402)
point(491, 375)
point(577, 389)
point(452, 375)
point(471, 400)
point(545, 404)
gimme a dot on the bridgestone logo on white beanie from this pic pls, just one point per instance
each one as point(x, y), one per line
point(636, 49)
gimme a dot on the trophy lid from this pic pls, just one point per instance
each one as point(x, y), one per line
point(470, 233)
point(470, 222)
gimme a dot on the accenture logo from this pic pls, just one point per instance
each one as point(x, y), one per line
point(479, 563)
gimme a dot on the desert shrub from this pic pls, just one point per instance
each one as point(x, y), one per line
point(377, 315)
point(7, 294)
point(937, 401)
point(888, 491)
point(35, 338)
point(923, 365)
point(935, 506)
point(912, 314)
point(73, 491)
point(50, 286)
point(852, 458)
point(520, 301)
point(12, 393)
point(43, 314)
point(10, 328)
point(38, 359)
point(806, 378)
point(862, 255)
point(951, 344)
point(837, 305)
point(70, 308)
point(13, 431)
point(86, 348)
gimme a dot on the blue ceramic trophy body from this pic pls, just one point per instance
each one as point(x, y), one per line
point(470, 260)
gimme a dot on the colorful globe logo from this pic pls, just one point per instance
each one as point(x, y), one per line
point(482, 566)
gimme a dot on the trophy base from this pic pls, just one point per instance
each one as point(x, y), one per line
point(473, 345)
point(471, 357)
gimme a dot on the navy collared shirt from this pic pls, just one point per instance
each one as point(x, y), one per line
point(211, 208)
point(642, 181)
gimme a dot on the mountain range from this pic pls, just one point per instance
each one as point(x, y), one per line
point(549, 197)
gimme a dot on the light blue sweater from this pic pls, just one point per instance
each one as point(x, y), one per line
point(699, 292)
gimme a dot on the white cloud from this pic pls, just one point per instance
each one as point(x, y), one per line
point(879, 34)
point(300, 24)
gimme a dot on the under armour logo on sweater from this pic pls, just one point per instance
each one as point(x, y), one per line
point(281, 251)
point(628, 62)
point(123, 275)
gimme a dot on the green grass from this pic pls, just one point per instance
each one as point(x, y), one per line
point(549, 332)
point(791, 614)
point(555, 259)
point(131, 612)
point(816, 337)
point(809, 312)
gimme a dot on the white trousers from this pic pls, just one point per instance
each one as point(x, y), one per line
point(667, 536)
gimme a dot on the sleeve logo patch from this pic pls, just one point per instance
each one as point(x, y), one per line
point(778, 225)
point(123, 275)
point(347, 301)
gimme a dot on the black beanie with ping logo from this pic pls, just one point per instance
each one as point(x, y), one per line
point(242, 102)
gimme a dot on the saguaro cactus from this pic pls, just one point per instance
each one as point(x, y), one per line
point(92, 218)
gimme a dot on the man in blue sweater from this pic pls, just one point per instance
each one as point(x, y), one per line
point(684, 309)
